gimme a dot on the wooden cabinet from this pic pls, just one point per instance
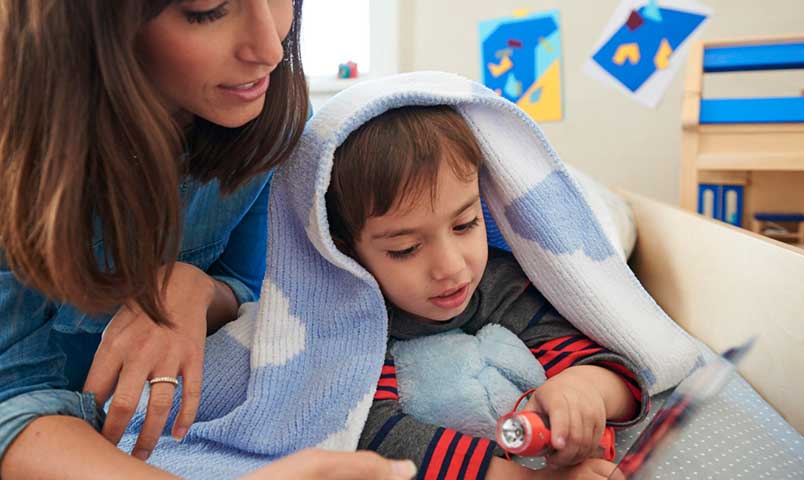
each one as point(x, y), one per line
point(756, 143)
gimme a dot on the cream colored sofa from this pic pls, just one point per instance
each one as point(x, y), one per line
point(723, 285)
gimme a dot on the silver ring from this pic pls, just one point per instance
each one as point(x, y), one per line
point(173, 380)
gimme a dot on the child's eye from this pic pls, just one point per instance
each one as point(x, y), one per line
point(400, 254)
point(208, 15)
point(464, 227)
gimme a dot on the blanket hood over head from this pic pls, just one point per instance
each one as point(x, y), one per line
point(301, 369)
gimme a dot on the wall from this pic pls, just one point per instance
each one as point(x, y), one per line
point(608, 135)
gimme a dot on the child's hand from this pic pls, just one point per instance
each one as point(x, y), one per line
point(577, 413)
point(589, 469)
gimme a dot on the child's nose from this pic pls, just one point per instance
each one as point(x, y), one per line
point(446, 262)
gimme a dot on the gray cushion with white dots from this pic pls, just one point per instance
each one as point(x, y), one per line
point(736, 435)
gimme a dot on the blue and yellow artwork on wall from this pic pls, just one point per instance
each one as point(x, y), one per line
point(521, 59)
point(643, 45)
point(645, 42)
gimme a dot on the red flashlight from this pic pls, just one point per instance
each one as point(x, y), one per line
point(527, 434)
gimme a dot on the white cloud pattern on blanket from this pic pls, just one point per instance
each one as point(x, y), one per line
point(557, 222)
point(281, 335)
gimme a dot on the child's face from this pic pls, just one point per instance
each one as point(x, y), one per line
point(428, 258)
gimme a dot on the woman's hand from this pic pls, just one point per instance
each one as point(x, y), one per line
point(316, 464)
point(134, 350)
point(577, 412)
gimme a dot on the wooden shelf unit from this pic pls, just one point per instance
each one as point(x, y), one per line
point(754, 142)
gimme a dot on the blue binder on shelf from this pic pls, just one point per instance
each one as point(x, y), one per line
point(721, 202)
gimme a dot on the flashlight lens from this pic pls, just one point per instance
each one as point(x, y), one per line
point(513, 433)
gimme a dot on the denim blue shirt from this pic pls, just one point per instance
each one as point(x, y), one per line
point(46, 348)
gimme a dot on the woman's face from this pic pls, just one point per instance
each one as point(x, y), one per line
point(213, 58)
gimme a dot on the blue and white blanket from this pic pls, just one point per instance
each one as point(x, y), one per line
point(300, 368)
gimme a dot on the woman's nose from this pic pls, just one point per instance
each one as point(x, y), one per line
point(261, 42)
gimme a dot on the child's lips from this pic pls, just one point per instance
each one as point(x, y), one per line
point(451, 298)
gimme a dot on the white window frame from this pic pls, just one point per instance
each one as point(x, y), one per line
point(384, 20)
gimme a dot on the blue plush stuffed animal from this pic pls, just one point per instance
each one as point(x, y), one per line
point(464, 382)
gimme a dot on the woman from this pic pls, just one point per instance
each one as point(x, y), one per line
point(136, 141)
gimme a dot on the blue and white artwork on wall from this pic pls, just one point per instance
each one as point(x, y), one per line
point(644, 45)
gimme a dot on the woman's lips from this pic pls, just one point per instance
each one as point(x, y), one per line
point(451, 298)
point(248, 91)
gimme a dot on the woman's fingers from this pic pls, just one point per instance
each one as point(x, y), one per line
point(365, 465)
point(135, 349)
point(102, 377)
point(124, 401)
point(190, 397)
point(326, 465)
point(160, 400)
point(107, 363)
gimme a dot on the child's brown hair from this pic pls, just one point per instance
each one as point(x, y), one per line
point(392, 158)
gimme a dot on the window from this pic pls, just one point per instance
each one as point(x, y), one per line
point(336, 31)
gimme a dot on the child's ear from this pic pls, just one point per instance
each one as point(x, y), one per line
point(343, 246)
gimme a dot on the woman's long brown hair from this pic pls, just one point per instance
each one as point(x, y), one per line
point(87, 152)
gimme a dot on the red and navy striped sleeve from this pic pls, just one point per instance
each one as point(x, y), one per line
point(629, 377)
point(387, 387)
point(558, 354)
point(452, 456)
point(558, 345)
point(439, 453)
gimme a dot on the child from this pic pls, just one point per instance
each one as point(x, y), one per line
point(404, 201)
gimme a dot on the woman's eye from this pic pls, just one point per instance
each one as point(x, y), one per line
point(397, 254)
point(207, 16)
point(467, 226)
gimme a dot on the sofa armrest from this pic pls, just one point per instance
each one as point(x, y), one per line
point(723, 285)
